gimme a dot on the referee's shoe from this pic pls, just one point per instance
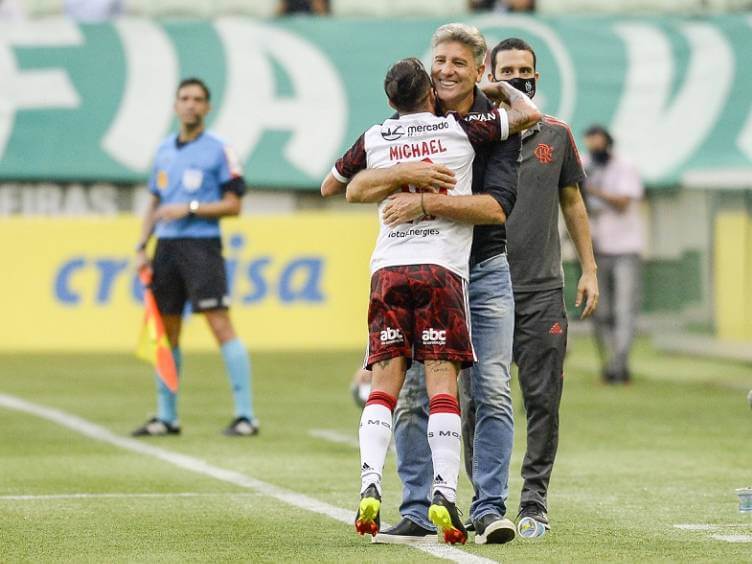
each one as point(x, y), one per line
point(155, 427)
point(242, 427)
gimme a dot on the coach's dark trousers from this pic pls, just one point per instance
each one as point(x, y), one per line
point(540, 340)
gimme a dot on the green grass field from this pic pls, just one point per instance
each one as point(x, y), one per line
point(633, 463)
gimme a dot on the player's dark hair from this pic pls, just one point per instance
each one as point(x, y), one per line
point(193, 81)
point(511, 44)
point(598, 129)
point(407, 84)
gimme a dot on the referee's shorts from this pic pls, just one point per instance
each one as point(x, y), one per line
point(189, 269)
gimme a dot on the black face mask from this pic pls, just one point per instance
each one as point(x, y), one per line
point(524, 85)
point(600, 157)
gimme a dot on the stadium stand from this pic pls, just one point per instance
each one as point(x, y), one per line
point(166, 8)
point(391, 8)
point(640, 6)
point(399, 8)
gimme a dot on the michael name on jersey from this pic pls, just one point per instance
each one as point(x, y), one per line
point(413, 150)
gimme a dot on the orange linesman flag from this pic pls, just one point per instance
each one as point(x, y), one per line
point(153, 346)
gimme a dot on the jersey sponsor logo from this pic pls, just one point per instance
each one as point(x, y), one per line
point(390, 336)
point(414, 150)
point(413, 233)
point(544, 153)
point(162, 180)
point(491, 116)
point(432, 336)
point(392, 133)
point(426, 128)
point(192, 179)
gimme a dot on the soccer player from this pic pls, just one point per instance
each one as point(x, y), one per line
point(196, 180)
point(458, 52)
point(419, 272)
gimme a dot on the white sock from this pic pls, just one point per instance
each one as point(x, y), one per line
point(374, 434)
point(444, 436)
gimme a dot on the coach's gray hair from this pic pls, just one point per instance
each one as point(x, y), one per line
point(465, 34)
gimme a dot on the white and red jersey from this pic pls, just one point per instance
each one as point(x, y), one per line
point(446, 140)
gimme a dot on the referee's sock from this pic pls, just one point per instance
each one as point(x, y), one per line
point(238, 366)
point(166, 400)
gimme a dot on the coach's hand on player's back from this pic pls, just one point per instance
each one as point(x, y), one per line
point(501, 92)
point(402, 208)
point(426, 175)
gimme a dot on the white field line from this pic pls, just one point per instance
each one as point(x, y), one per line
point(340, 438)
point(732, 538)
point(334, 437)
point(710, 527)
point(718, 537)
point(199, 466)
point(120, 495)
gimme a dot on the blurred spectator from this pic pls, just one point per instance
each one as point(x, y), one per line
point(315, 7)
point(91, 11)
point(614, 191)
point(501, 5)
point(11, 10)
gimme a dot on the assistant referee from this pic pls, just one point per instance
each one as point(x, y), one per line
point(196, 180)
